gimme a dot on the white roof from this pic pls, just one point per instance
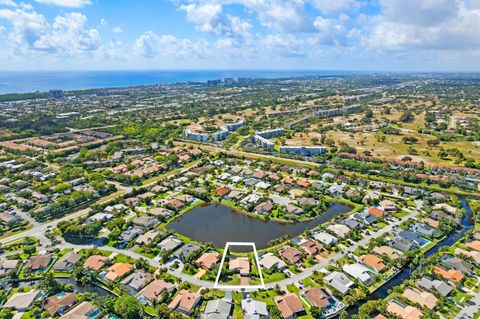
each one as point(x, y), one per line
point(357, 271)
point(325, 238)
point(252, 307)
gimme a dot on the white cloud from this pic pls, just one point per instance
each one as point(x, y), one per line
point(8, 3)
point(150, 45)
point(209, 17)
point(117, 30)
point(103, 22)
point(337, 6)
point(66, 3)
point(407, 25)
point(66, 36)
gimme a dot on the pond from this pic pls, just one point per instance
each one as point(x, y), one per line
point(218, 224)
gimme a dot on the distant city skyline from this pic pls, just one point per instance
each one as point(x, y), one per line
point(376, 35)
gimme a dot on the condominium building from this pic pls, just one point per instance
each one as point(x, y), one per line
point(201, 137)
point(263, 142)
point(271, 133)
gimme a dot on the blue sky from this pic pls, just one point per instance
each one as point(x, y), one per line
point(389, 35)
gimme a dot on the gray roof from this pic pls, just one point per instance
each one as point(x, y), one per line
point(67, 261)
point(339, 281)
point(186, 251)
point(218, 309)
point(458, 264)
point(254, 309)
point(138, 279)
point(442, 287)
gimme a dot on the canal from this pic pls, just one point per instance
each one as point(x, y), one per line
point(218, 224)
point(406, 271)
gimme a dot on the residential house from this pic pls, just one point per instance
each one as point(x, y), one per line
point(475, 245)
point(264, 208)
point(58, 304)
point(403, 310)
point(217, 309)
point(359, 272)
point(95, 262)
point(311, 247)
point(376, 212)
point(372, 262)
point(365, 218)
point(253, 309)
point(420, 297)
point(453, 275)
point(145, 221)
point(185, 301)
point(458, 264)
point(7, 266)
point(339, 230)
point(161, 212)
point(22, 301)
point(431, 222)
point(401, 244)
point(222, 191)
point(84, 310)
point(388, 252)
point(412, 237)
point(317, 297)
point(153, 292)
point(148, 237)
point(240, 265)
point(207, 260)
point(66, 262)
point(292, 209)
point(474, 255)
point(435, 285)
point(270, 262)
point(306, 201)
point(289, 305)
point(137, 280)
point(175, 204)
point(325, 238)
point(339, 281)
point(424, 230)
point(184, 252)
point(388, 205)
point(291, 254)
point(38, 263)
point(118, 270)
point(170, 243)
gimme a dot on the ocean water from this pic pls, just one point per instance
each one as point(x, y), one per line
point(33, 81)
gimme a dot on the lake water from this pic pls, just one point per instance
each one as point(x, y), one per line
point(218, 224)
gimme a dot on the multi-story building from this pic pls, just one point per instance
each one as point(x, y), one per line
point(263, 142)
point(201, 137)
point(271, 133)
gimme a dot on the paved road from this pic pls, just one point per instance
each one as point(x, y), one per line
point(470, 310)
